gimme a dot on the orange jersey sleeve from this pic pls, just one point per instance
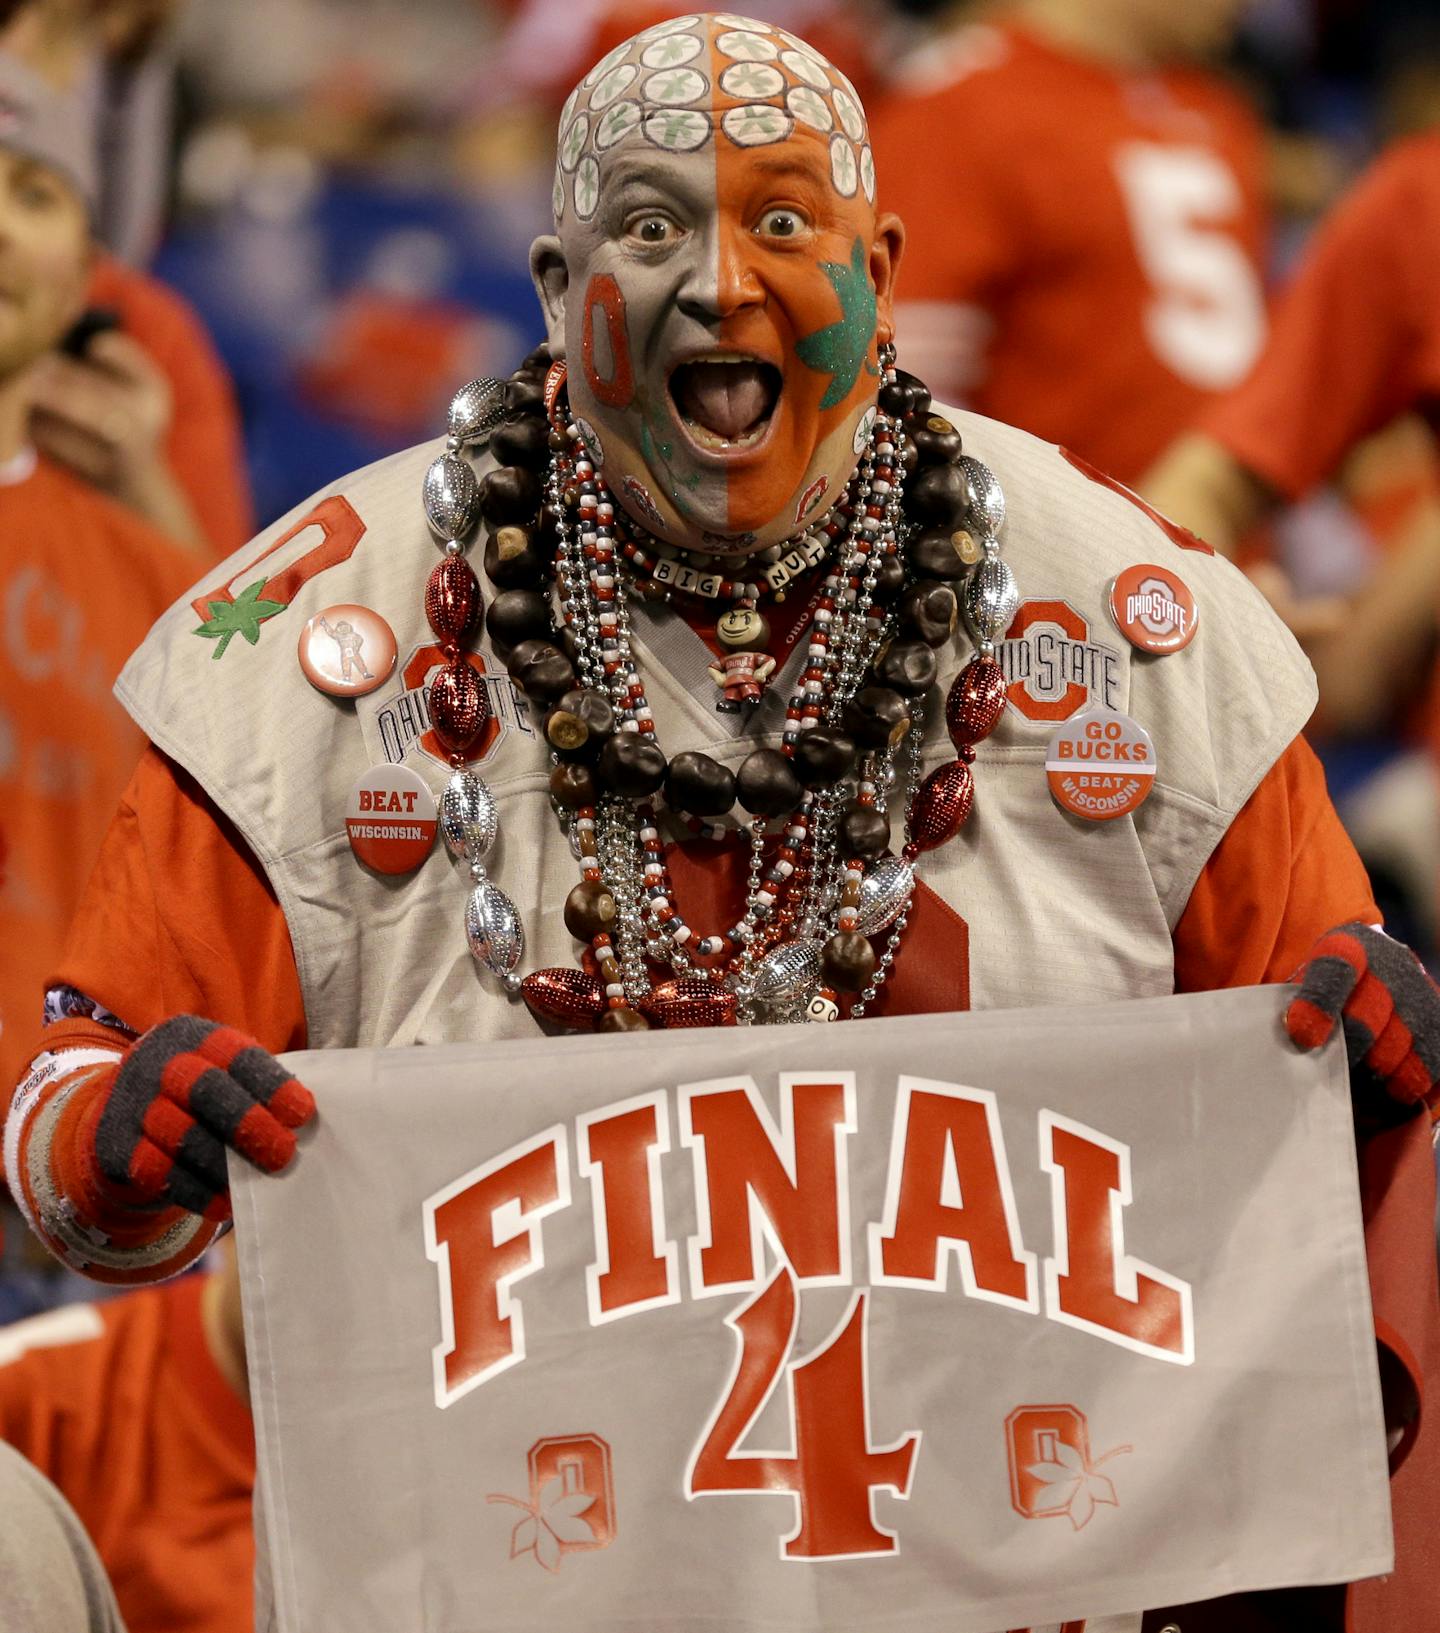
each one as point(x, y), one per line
point(179, 918)
point(1084, 245)
point(205, 449)
point(123, 1408)
point(1284, 873)
point(1356, 336)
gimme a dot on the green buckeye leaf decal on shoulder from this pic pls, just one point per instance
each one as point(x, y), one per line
point(840, 349)
point(242, 616)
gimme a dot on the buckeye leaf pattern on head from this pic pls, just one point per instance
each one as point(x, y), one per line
point(764, 85)
point(841, 349)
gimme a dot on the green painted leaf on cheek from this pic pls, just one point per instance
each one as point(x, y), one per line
point(842, 349)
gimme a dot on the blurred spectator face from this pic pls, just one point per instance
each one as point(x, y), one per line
point(720, 282)
point(44, 259)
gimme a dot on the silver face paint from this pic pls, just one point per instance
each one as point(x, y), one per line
point(714, 206)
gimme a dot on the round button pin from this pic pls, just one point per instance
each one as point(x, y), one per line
point(390, 819)
point(347, 650)
point(1100, 765)
point(1153, 609)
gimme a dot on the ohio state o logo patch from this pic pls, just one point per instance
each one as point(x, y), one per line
point(1052, 668)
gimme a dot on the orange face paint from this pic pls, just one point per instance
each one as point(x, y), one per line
point(715, 199)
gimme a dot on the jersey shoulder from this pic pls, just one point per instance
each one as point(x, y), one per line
point(1222, 709)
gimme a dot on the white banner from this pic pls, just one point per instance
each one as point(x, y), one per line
point(945, 1324)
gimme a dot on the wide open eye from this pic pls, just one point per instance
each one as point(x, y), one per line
point(782, 222)
point(652, 229)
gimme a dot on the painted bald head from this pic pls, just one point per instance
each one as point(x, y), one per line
point(720, 282)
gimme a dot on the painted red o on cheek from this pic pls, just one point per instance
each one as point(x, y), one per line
point(619, 389)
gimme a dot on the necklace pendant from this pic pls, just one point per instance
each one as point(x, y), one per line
point(690, 1001)
point(742, 678)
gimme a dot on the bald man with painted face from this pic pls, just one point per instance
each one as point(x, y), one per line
point(717, 297)
point(694, 279)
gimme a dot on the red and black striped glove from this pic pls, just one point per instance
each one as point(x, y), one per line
point(1389, 1007)
point(184, 1093)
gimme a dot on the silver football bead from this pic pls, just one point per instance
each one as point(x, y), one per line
point(885, 893)
point(787, 972)
point(991, 598)
point(494, 930)
point(987, 504)
point(475, 410)
point(452, 497)
point(469, 817)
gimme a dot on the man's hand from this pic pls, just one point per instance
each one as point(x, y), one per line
point(184, 1093)
point(106, 417)
point(1390, 1010)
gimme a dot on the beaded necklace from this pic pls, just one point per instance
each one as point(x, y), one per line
point(914, 517)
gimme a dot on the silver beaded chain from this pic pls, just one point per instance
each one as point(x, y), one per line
point(781, 985)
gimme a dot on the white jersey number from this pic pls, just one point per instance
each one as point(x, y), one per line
point(1206, 321)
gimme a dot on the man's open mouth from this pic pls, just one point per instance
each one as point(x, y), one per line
point(725, 401)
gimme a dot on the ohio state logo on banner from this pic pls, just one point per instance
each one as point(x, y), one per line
point(403, 723)
point(1052, 668)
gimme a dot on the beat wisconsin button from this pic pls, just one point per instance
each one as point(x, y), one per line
point(1100, 766)
point(347, 650)
point(1154, 609)
point(390, 819)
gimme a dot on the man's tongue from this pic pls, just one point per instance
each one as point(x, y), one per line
point(725, 398)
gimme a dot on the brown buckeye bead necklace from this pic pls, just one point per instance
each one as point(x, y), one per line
point(917, 518)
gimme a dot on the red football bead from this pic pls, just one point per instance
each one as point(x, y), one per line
point(452, 599)
point(687, 1001)
point(565, 997)
point(977, 696)
point(459, 706)
point(941, 805)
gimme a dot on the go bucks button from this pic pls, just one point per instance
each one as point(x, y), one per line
point(1100, 765)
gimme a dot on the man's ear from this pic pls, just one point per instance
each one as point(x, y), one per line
point(552, 279)
point(886, 248)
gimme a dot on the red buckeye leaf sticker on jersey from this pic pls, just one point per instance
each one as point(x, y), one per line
point(1153, 609)
point(1100, 766)
point(347, 650)
point(390, 819)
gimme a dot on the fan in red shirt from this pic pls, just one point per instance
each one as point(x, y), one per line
point(1090, 267)
point(140, 406)
point(1356, 342)
point(136, 1410)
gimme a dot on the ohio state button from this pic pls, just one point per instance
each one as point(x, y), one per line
point(390, 820)
point(1153, 609)
point(347, 650)
point(1100, 765)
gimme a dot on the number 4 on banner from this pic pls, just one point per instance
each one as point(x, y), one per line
point(831, 1470)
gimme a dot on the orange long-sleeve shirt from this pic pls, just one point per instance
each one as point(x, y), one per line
point(122, 1406)
point(81, 580)
point(1356, 336)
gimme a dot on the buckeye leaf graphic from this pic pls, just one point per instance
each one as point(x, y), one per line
point(561, 1511)
point(522, 1538)
point(547, 1548)
point(1071, 1487)
point(841, 348)
point(242, 616)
